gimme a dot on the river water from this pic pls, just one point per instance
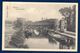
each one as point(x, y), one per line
point(40, 43)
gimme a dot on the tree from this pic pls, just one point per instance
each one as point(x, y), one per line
point(18, 24)
point(17, 39)
point(67, 12)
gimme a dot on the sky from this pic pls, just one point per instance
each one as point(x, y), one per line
point(33, 11)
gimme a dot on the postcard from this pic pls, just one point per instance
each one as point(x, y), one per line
point(39, 26)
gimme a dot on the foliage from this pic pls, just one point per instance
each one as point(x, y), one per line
point(18, 37)
point(18, 24)
point(69, 14)
point(65, 11)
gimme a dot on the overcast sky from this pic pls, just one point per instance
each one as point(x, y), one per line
point(34, 11)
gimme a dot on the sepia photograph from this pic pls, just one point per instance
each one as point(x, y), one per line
point(39, 26)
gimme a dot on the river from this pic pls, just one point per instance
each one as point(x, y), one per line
point(40, 43)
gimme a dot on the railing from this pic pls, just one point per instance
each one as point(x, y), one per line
point(69, 32)
point(66, 33)
point(68, 41)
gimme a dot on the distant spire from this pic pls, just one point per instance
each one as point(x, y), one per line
point(42, 18)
